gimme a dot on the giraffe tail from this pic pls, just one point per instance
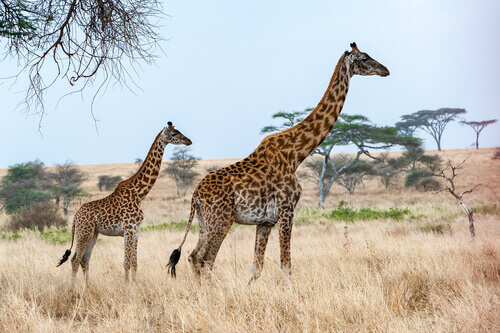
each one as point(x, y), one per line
point(66, 254)
point(176, 254)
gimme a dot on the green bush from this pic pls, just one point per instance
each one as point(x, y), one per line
point(345, 213)
point(37, 216)
point(24, 198)
point(413, 178)
point(23, 185)
point(108, 182)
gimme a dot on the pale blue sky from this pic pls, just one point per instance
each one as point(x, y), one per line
point(230, 65)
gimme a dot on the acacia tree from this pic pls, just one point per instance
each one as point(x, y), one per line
point(358, 131)
point(349, 129)
point(77, 40)
point(409, 124)
point(180, 169)
point(414, 158)
point(289, 119)
point(387, 169)
point(67, 180)
point(432, 122)
point(353, 174)
point(478, 126)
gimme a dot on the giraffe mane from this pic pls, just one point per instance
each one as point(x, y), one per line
point(123, 182)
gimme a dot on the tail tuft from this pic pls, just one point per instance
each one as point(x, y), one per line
point(64, 257)
point(174, 259)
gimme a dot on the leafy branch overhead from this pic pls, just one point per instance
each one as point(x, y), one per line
point(80, 41)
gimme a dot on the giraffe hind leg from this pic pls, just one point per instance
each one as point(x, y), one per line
point(261, 238)
point(213, 241)
point(83, 238)
point(84, 262)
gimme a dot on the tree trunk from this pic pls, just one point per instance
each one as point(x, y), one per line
point(66, 207)
point(321, 199)
point(321, 179)
point(477, 140)
point(471, 219)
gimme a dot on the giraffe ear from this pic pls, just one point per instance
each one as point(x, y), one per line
point(354, 47)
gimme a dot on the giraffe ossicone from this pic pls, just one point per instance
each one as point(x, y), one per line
point(119, 214)
point(262, 189)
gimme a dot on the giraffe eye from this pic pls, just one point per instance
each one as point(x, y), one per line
point(364, 60)
point(173, 134)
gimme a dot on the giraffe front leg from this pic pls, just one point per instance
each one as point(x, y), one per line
point(133, 258)
point(285, 220)
point(129, 236)
point(261, 238)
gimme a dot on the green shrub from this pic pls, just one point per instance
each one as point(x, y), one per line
point(14, 236)
point(413, 178)
point(108, 182)
point(58, 236)
point(24, 198)
point(345, 213)
point(37, 216)
point(308, 215)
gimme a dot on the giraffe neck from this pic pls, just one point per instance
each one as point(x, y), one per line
point(144, 179)
point(307, 135)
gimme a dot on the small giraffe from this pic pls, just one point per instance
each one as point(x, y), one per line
point(119, 214)
point(262, 189)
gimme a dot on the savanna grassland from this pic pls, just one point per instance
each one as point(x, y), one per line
point(416, 270)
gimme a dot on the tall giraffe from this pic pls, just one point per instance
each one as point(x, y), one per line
point(262, 189)
point(119, 214)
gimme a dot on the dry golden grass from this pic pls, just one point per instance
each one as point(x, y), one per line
point(373, 276)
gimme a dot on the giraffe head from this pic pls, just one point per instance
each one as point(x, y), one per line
point(173, 136)
point(361, 63)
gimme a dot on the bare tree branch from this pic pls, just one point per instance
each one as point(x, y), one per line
point(441, 173)
point(79, 41)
